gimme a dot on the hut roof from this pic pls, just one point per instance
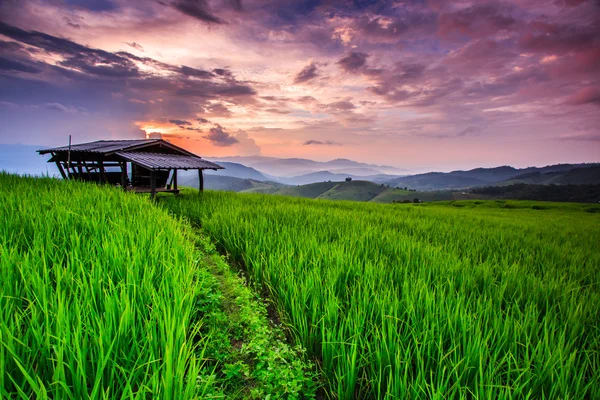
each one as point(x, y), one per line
point(157, 161)
point(153, 154)
point(104, 146)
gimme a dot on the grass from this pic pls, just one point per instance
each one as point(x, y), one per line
point(459, 300)
point(311, 190)
point(353, 190)
point(103, 295)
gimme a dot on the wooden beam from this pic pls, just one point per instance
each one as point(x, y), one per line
point(152, 184)
point(61, 170)
point(200, 181)
point(175, 179)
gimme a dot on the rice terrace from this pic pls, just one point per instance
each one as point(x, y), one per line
point(294, 200)
point(477, 299)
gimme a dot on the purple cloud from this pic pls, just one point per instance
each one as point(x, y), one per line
point(218, 136)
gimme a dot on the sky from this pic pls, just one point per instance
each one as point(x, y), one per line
point(423, 85)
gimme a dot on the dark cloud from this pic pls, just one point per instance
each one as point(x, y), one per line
point(203, 120)
point(13, 65)
point(319, 142)
point(469, 130)
point(551, 38)
point(588, 95)
point(343, 105)
point(220, 137)
point(353, 62)
point(477, 21)
point(308, 73)
point(198, 9)
point(135, 45)
point(179, 122)
point(71, 24)
point(93, 5)
point(217, 110)
point(105, 72)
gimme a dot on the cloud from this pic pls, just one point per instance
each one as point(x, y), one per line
point(135, 45)
point(218, 136)
point(71, 24)
point(203, 120)
point(308, 73)
point(588, 95)
point(179, 122)
point(198, 9)
point(353, 61)
point(154, 135)
point(218, 110)
point(246, 145)
point(343, 105)
point(476, 21)
point(14, 65)
point(62, 108)
point(319, 142)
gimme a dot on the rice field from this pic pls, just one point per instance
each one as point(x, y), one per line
point(103, 295)
point(473, 300)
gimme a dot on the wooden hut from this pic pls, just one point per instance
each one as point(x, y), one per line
point(144, 166)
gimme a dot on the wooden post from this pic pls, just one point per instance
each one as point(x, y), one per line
point(124, 175)
point(200, 181)
point(102, 174)
point(69, 158)
point(152, 184)
point(80, 168)
point(175, 179)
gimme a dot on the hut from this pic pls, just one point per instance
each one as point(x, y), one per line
point(144, 166)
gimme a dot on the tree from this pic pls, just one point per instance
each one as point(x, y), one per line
point(348, 179)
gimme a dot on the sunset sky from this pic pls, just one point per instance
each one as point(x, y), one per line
point(424, 85)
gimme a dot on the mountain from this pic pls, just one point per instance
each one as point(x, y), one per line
point(237, 171)
point(290, 167)
point(577, 176)
point(505, 175)
point(322, 176)
point(437, 181)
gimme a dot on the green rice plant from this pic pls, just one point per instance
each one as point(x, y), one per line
point(104, 295)
point(97, 295)
point(424, 301)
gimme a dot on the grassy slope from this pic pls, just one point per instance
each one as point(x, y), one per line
point(390, 195)
point(467, 299)
point(311, 190)
point(354, 190)
point(104, 295)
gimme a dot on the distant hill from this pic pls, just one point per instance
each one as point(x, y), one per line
point(312, 190)
point(290, 167)
point(524, 191)
point(576, 176)
point(505, 175)
point(354, 190)
point(437, 181)
point(228, 183)
point(237, 171)
point(322, 176)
